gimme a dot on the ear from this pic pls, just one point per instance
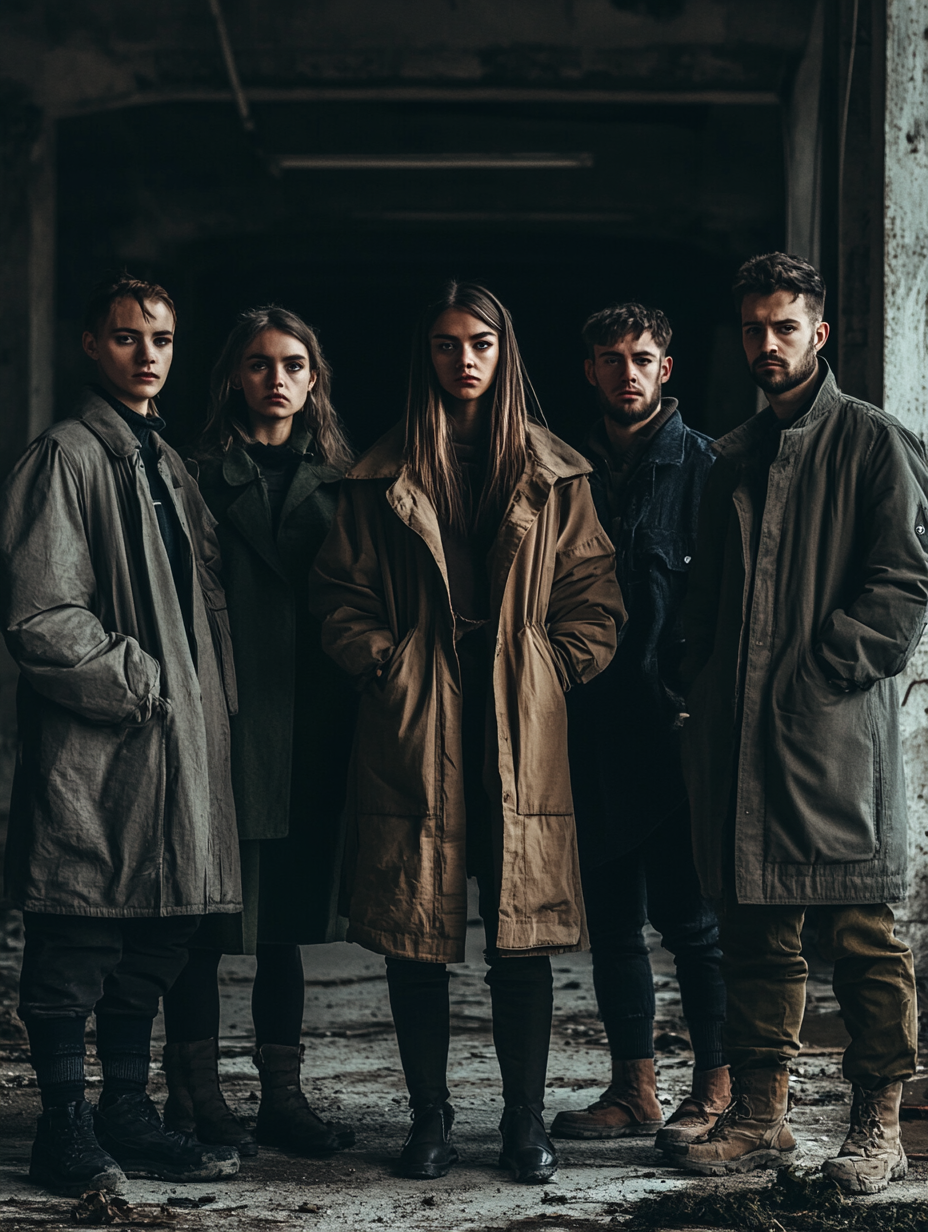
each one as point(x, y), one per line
point(89, 343)
point(822, 330)
point(590, 369)
point(236, 381)
point(666, 369)
point(313, 378)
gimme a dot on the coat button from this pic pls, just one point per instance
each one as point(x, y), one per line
point(919, 530)
point(687, 559)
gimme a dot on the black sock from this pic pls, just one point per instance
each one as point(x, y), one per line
point(124, 1049)
point(191, 1005)
point(277, 995)
point(706, 1038)
point(57, 1048)
point(630, 1039)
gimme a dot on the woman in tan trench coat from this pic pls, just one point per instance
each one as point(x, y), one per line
point(466, 585)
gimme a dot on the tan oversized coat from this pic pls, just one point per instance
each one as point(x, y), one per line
point(380, 585)
point(110, 817)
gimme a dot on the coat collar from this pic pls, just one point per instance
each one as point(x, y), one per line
point(740, 445)
point(666, 448)
point(106, 424)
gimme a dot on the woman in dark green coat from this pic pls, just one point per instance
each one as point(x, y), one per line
point(269, 464)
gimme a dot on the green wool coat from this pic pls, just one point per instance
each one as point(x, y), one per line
point(291, 738)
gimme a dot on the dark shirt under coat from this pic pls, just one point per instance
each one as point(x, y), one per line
point(623, 734)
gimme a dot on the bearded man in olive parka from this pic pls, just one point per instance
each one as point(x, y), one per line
point(807, 596)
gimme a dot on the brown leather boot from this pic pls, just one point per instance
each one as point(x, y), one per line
point(752, 1131)
point(627, 1109)
point(872, 1153)
point(285, 1118)
point(195, 1103)
point(710, 1096)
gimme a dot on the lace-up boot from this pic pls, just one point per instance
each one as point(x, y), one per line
point(708, 1099)
point(752, 1131)
point(628, 1108)
point(131, 1130)
point(66, 1156)
point(872, 1153)
point(195, 1103)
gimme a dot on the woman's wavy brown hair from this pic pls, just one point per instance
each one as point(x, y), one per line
point(227, 422)
point(430, 453)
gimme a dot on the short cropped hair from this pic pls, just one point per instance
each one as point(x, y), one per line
point(780, 271)
point(607, 327)
point(122, 286)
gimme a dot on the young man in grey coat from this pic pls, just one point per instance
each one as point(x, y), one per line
point(807, 596)
point(122, 826)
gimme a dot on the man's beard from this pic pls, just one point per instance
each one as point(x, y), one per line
point(625, 418)
point(782, 380)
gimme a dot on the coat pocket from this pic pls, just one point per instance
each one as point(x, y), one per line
point(538, 727)
point(217, 616)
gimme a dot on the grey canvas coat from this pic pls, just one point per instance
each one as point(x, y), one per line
point(111, 816)
point(380, 586)
point(792, 752)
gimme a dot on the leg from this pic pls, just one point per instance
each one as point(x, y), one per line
point(616, 909)
point(285, 1118)
point(191, 1004)
point(874, 981)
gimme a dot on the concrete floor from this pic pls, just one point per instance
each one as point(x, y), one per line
point(352, 1072)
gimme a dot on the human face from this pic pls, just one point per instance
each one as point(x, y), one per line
point(465, 353)
point(629, 377)
point(275, 377)
point(133, 353)
point(781, 340)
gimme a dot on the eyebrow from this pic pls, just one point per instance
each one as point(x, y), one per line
point(640, 351)
point(304, 359)
point(487, 333)
point(127, 329)
point(784, 321)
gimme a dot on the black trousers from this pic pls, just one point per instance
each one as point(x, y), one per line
point(75, 965)
point(655, 881)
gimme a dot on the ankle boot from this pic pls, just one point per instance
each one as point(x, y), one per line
point(710, 1096)
point(872, 1153)
point(285, 1118)
point(628, 1108)
point(527, 1150)
point(427, 1152)
point(195, 1103)
point(751, 1132)
point(130, 1130)
point(66, 1156)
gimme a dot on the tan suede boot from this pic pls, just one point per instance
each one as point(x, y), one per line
point(872, 1153)
point(627, 1109)
point(710, 1096)
point(751, 1133)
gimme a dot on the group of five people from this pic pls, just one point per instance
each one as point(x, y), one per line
point(652, 680)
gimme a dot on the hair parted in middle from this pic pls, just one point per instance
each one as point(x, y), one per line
point(227, 421)
point(607, 327)
point(430, 453)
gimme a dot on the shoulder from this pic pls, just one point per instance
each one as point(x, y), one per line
point(555, 455)
point(385, 458)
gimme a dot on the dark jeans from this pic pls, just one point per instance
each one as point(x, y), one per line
point(654, 881)
point(74, 965)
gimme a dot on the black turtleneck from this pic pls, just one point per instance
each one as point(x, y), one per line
point(277, 464)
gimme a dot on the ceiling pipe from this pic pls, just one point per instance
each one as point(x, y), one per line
point(225, 43)
point(431, 162)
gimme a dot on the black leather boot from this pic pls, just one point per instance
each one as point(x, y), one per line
point(527, 1151)
point(285, 1118)
point(427, 1152)
point(195, 1103)
point(131, 1130)
point(66, 1156)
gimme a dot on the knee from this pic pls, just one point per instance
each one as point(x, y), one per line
point(408, 973)
point(527, 972)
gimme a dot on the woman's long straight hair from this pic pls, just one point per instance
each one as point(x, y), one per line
point(429, 444)
point(227, 422)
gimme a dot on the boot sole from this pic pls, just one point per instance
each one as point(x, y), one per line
point(429, 1172)
point(533, 1176)
point(112, 1180)
point(283, 1143)
point(244, 1149)
point(861, 1185)
point(751, 1162)
point(209, 1172)
point(645, 1129)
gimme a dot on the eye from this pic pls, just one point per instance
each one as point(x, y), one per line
point(124, 339)
point(295, 366)
point(257, 365)
point(163, 342)
point(483, 345)
point(444, 346)
point(643, 361)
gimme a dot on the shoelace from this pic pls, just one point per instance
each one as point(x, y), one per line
point(739, 1107)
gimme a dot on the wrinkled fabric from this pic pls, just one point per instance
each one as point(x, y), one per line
point(380, 586)
point(122, 802)
point(792, 754)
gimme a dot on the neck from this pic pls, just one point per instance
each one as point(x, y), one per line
point(141, 406)
point(271, 432)
point(466, 419)
point(621, 435)
point(785, 405)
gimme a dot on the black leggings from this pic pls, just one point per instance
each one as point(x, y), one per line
point(191, 1008)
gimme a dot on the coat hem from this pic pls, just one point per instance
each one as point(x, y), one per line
point(39, 907)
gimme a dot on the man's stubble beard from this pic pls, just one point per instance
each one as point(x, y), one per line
point(783, 380)
point(628, 419)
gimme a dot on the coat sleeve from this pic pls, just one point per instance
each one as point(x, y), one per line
point(585, 609)
point(47, 588)
point(873, 637)
point(346, 590)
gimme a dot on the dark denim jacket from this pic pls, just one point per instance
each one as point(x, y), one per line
point(625, 765)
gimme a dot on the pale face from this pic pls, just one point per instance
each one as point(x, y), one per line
point(780, 340)
point(275, 378)
point(629, 376)
point(133, 353)
point(465, 353)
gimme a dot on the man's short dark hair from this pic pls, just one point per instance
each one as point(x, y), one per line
point(607, 327)
point(122, 286)
point(780, 271)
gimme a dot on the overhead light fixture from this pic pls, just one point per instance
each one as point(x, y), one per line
point(432, 162)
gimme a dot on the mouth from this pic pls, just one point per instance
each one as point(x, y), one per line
point(769, 363)
point(468, 380)
point(277, 399)
point(145, 376)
